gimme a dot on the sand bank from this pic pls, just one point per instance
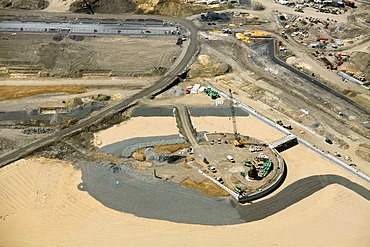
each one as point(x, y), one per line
point(41, 206)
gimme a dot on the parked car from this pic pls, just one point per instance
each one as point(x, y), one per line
point(212, 168)
point(220, 180)
point(230, 158)
point(328, 140)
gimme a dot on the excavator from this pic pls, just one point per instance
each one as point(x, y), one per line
point(88, 7)
point(237, 140)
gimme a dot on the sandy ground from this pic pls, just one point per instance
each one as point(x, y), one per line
point(59, 5)
point(249, 126)
point(153, 126)
point(41, 206)
point(136, 127)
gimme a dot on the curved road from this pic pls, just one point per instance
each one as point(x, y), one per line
point(187, 126)
point(179, 67)
point(271, 54)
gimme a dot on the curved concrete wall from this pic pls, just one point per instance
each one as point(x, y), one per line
point(278, 180)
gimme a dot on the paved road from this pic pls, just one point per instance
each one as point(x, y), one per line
point(271, 54)
point(186, 124)
point(191, 48)
point(90, 27)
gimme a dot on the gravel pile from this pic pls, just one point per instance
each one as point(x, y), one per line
point(126, 148)
point(178, 91)
point(37, 130)
point(151, 155)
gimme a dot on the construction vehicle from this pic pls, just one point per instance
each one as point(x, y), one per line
point(237, 140)
point(248, 163)
point(238, 189)
point(86, 5)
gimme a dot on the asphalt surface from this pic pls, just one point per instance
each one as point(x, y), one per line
point(192, 49)
point(156, 199)
point(185, 124)
point(89, 27)
point(167, 111)
point(271, 54)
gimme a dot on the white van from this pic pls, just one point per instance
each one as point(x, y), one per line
point(230, 158)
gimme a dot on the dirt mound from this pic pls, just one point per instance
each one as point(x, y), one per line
point(23, 4)
point(206, 187)
point(208, 67)
point(363, 151)
point(106, 6)
point(361, 61)
point(174, 7)
point(161, 7)
point(349, 93)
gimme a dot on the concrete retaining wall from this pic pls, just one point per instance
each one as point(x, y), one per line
point(277, 180)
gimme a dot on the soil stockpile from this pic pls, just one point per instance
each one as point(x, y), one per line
point(361, 60)
point(207, 66)
point(106, 6)
point(23, 4)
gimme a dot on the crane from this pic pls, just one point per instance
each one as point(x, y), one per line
point(237, 140)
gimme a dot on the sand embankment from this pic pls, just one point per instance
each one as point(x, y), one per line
point(41, 206)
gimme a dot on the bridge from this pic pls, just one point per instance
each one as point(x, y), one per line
point(284, 143)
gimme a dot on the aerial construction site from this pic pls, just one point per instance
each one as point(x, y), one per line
point(184, 123)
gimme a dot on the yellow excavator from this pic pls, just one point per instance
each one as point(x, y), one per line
point(237, 140)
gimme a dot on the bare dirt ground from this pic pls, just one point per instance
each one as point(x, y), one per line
point(59, 5)
point(14, 92)
point(93, 56)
